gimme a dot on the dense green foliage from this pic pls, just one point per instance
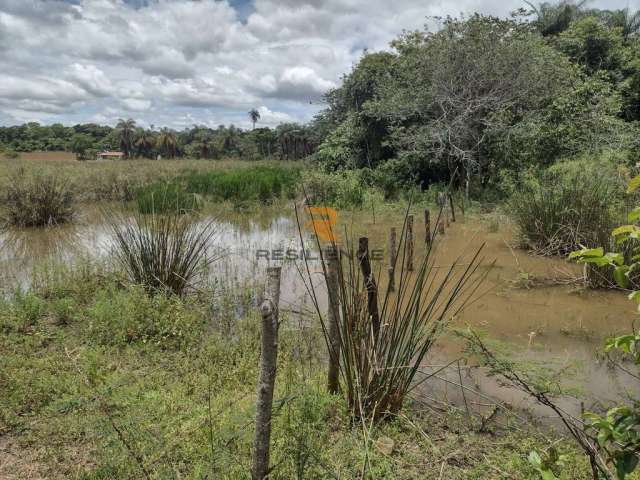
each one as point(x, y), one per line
point(483, 95)
point(255, 183)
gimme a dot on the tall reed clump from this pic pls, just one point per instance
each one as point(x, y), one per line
point(163, 253)
point(167, 198)
point(558, 213)
point(35, 200)
point(384, 336)
point(261, 183)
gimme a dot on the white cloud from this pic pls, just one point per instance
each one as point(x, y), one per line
point(179, 61)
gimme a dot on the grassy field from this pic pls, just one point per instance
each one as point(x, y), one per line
point(119, 180)
point(101, 381)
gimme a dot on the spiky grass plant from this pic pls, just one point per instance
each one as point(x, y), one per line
point(559, 213)
point(36, 200)
point(380, 353)
point(162, 252)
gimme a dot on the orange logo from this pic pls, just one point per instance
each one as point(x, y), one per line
point(322, 223)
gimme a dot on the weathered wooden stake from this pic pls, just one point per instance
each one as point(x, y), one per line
point(266, 381)
point(427, 227)
point(410, 243)
point(445, 214)
point(441, 224)
point(392, 259)
point(453, 213)
point(370, 284)
point(333, 316)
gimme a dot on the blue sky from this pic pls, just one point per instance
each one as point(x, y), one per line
point(184, 62)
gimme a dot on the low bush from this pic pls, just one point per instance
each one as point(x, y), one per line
point(163, 253)
point(167, 197)
point(342, 189)
point(563, 209)
point(261, 183)
point(36, 200)
point(119, 317)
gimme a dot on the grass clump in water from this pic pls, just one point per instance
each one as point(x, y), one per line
point(167, 198)
point(163, 253)
point(261, 183)
point(36, 200)
point(558, 213)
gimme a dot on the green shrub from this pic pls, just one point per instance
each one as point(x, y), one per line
point(262, 184)
point(167, 197)
point(119, 317)
point(10, 154)
point(36, 200)
point(564, 208)
point(341, 189)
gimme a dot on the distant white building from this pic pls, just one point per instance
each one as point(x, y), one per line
point(109, 156)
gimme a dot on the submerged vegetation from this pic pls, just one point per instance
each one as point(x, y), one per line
point(36, 200)
point(263, 184)
point(162, 252)
point(558, 213)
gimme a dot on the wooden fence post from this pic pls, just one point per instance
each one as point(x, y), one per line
point(427, 227)
point(370, 284)
point(333, 316)
point(266, 381)
point(409, 243)
point(453, 213)
point(392, 259)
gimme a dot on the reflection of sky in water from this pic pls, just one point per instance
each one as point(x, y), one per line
point(235, 246)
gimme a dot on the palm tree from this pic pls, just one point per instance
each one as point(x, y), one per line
point(254, 116)
point(167, 143)
point(552, 18)
point(144, 143)
point(625, 19)
point(126, 130)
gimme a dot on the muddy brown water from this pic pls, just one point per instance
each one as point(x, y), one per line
point(531, 308)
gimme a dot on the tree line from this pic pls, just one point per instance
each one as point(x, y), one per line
point(288, 141)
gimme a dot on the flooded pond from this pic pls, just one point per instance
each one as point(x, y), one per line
point(532, 308)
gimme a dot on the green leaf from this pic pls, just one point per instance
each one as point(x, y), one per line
point(587, 253)
point(634, 183)
point(624, 229)
point(634, 214)
point(620, 275)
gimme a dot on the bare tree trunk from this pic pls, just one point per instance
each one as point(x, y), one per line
point(392, 259)
point(266, 381)
point(333, 376)
point(370, 284)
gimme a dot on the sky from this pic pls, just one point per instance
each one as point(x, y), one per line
point(178, 63)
